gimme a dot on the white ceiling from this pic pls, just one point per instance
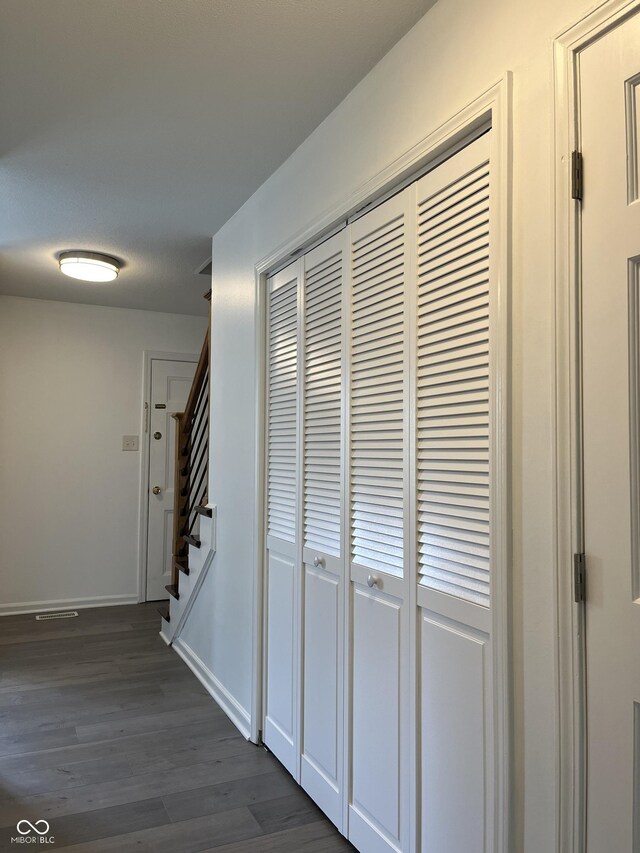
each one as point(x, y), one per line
point(138, 127)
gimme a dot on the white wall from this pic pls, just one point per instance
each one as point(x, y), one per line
point(70, 388)
point(451, 56)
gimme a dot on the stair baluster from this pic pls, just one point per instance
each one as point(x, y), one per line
point(191, 469)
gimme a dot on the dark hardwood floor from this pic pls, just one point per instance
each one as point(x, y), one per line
point(107, 735)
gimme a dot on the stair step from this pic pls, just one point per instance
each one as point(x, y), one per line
point(182, 565)
point(191, 540)
point(172, 589)
point(205, 510)
point(163, 610)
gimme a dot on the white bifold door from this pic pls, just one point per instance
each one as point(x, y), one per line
point(380, 429)
point(456, 438)
point(283, 585)
point(379, 524)
point(305, 574)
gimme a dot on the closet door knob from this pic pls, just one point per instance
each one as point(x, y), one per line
point(372, 581)
point(318, 561)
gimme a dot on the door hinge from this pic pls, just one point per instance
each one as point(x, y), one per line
point(576, 175)
point(579, 578)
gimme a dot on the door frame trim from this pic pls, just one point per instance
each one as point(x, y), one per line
point(567, 451)
point(494, 105)
point(143, 499)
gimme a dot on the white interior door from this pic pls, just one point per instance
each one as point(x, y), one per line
point(321, 742)
point(379, 526)
point(610, 116)
point(455, 406)
point(170, 385)
point(305, 576)
point(283, 583)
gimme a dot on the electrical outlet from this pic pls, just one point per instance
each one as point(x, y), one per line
point(129, 442)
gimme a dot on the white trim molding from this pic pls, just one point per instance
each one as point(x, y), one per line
point(501, 159)
point(491, 109)
point(18, 607)
point(570, 621)
point(238, 715)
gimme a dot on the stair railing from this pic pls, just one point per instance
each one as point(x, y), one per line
point(192, 466)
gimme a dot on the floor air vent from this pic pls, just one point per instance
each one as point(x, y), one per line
point(68, 614)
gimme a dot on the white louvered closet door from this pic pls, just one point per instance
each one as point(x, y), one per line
point(454, 404)
point(322, 529)
point(382, 435)
point(283, 517)
point(378, 447)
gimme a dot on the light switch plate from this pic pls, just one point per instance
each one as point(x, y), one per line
point(129, 442)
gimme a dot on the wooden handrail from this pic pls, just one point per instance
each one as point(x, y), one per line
point(192, 464)
point(202, 370)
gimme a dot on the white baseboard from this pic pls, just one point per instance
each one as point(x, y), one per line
point(238, 715)
point(65, 604)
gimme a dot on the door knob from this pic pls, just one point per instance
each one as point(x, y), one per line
point(157, 436)
point(372, 581)
point(156, 490)
point(318, 561)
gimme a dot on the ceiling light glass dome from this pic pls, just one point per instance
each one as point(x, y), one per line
point(89, 266)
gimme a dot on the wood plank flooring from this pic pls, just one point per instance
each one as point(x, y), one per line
point(107, 735)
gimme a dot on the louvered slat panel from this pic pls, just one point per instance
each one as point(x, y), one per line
point(378, 261)
point(323, 397)
point(282, 406)
point(453, 393)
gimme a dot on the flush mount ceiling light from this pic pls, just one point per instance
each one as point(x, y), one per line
point(89, 266)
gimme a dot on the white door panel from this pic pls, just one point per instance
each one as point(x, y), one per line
point(322, 395)
point(609, 81)
point(454, 423)
point(378, 422)
point(454, 358)
point(279, 731)
point(283, 583)
point(322, 713)
point(322, 694)
point(377, 709)
point(170, 386)
point(379, 540)
point(454, 693)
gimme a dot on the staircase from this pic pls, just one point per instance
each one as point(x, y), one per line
point(193, 521)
